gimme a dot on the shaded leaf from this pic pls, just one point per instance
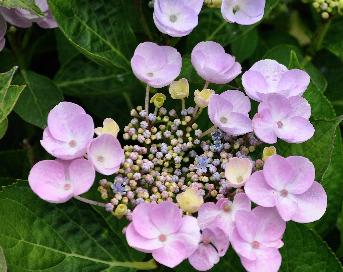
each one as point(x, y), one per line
point(3, 265)
point(244, 47)
point(99, 29)
point(64, 237)
point(39, 97)
point(3, 127)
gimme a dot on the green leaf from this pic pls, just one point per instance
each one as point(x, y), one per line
point(333, 41)
point(304, 251)
point(63, 237)
point(245, 46)
point(3, 265)
point(99, 29)
point(9, 94)
point(39, 97)
point(3, 127)
point(24, 4)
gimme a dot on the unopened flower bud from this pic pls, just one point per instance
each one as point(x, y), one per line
point(179, 89)
point(268, 152)
point(120, 211)
point(158, 100)
point(202, 98)
point(190, 201)
point(109, 127)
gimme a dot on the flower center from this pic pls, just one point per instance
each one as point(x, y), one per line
point(206, 241)
point(100, 159)
point(173, 18)
point(72, 143)
point(279, 124)
point(235, 9)
point(223, 120)
point(255, 245)
point(67, 186)
point(227, 208)
point(284, 193)
point(239, 179)
point(162, 238)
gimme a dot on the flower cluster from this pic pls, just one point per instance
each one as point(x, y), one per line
point(328, 8)
point(24, 19)
point(178, 18)
point(187, 192)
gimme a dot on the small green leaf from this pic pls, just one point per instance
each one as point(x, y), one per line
point(39, 97)
point(24, 4)
point(99, 29)
point(245, 46)
point(36, 235)
point(3, 127)
point(305, 251)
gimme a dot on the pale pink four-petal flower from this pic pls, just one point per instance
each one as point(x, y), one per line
point(288, 185)
point(161, 229)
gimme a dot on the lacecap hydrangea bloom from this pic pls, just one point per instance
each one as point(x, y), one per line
point(178, 18)
point(23, 19)
point(188, 193)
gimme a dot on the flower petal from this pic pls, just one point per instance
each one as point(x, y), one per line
point(204, 258)
point(142, 223)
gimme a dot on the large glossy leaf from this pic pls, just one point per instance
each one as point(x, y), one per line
point(67, 237)
point(24, 4)
point(304, 251)
point(333, 41)
point(39, 97)
point(99, 29)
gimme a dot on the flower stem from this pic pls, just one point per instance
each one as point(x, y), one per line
point(320, 35)
point(207, 132)
point(206, 85)
point(147, 93)
point(91, 202)
point(183, 103)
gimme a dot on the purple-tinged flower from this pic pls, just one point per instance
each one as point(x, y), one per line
point(243, 12)
point(213, 64)
point(176, 18)
point(222, 214)
point(157, 66)
point(106, 154)
point(268, 76)
point(287, 119)
point(23, 18)
point(161, 229)
point(69, 131)
point(288, 184)
point(214, 244)
point(257, 238)
point(229, 112)
point(57, 181)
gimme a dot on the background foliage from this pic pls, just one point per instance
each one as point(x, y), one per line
point(87, 60)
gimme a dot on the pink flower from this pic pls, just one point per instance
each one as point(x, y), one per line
point(257, 238)
point(161, 229)
point(287, 119)
point(213, 64)
point(57, 181)
point(268, 76)
point(23, 18)
point(222, 214)
point(229, 112)
point(214, 244)
point(106, 154)
point(69, 131)
point(156, 65)
point(243, 12)
point(176, 18)
point(288, 184)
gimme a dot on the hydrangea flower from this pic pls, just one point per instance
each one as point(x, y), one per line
point(214, 244)
point(23, 18)
point(229, 112)
point(176, 18)
point(109, 127)
point(161, 229)
point(190, 201)
point(287, 119)
point(268, 76)
point(69, 131)
point(157, 66)
point(243, 12)
point(237, 171)
point(179, 89)
point(288, 184)
point(57, 181)
point(222, 214)
point(213, 64)
point(202, 98)
point(106, 154)
point(257, 238)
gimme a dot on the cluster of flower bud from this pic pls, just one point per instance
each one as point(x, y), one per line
point(328, 8)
